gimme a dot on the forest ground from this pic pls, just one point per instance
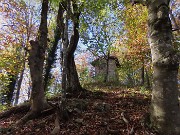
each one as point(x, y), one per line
point(104, 110)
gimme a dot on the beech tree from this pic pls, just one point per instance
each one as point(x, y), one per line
point(52, 53)
point(36, 63)
point(164, 111)
point(70, 79)
point(69, 22)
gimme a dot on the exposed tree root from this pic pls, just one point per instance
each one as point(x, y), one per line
point(14, 110)
point(30, 115)
point(35, 114)
point(61, 115)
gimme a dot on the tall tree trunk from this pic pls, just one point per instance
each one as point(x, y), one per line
point(19, 86)
point(36, 63)
point(64, 61)
point(20, 80)
point(70, 80)
point(165, 111)
point(52, 54)
point(142, 75)
point(10, 89)
point(50, 61)
point(142, 81)
point(148, 85)
point(73, 79)
point(61, 111)
point(72, 75)
point(106, 78)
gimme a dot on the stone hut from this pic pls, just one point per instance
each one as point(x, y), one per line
point(100, 65)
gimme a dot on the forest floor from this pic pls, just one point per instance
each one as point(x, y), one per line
point(103, 111)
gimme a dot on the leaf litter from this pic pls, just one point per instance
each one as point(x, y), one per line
point(115, 112)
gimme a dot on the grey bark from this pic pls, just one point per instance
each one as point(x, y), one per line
point(165, 109)
point(19, 86)
point(142, 74)
point(64, 57)
point(148, 85)
point(69, 47)
point(106, 79)
point(73, 78)
point(20, 80)
point(36, 63)
point(52, 53)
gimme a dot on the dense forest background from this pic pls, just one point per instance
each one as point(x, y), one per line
point(56, 54)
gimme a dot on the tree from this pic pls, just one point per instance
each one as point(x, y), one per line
point(36, 63)
point(99, 31)
point(137, 57)
point(165, 64)
point(52, 52)
point(70, 79)
point(164, 111)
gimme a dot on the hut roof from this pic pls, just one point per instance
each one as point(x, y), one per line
point(98, 61)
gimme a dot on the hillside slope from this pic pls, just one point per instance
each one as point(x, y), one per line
point(116, 112)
